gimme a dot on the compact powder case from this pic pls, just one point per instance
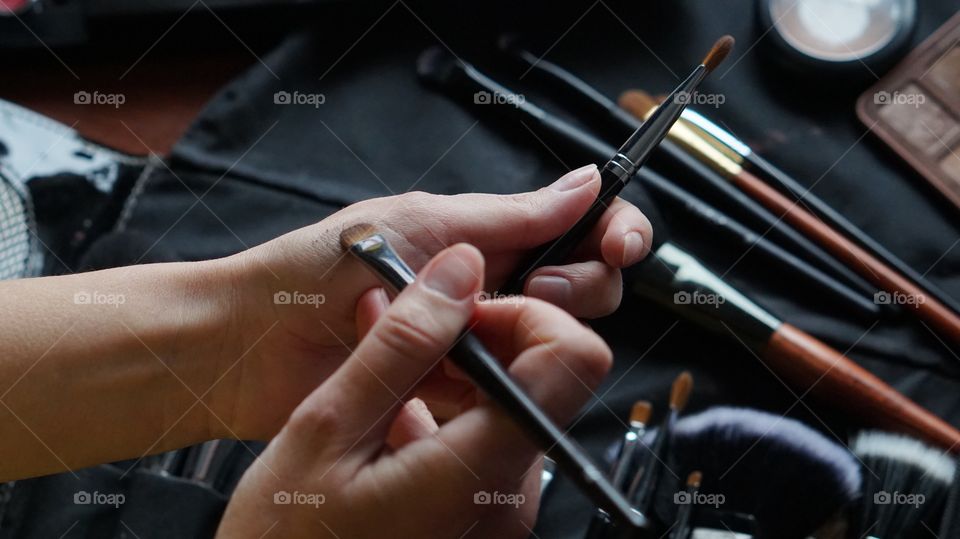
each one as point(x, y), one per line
point(842, 36)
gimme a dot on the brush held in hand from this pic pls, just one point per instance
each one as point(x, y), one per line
point(486, 371)
point(617, 172)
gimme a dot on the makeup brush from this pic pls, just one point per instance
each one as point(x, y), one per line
point(621, 167)
point(950, 524)
point(805, 363)
point(893, 284)
point(450, 73)
point(470, 355)
point(744, 156)
point(623, 462)
point(631, 446)
point(682, 526)
point(596, 107)
point(791, 478)
point(644, 486)
point(905, 483)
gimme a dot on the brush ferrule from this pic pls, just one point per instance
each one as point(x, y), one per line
point(622, 167)
point(375, 251)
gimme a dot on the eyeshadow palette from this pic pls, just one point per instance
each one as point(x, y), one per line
point(915, 109)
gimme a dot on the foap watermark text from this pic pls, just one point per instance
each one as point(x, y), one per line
point(84, 97)
point(285, 297)
point(296, 497)
point(498, 498)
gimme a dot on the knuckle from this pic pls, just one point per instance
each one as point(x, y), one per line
point(409, 336)
point(321, 421)
point(416, 199)
point(527, 208)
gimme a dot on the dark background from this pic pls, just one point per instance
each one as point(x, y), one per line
point(271, 168)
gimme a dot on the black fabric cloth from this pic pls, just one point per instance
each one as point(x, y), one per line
point(264, 168)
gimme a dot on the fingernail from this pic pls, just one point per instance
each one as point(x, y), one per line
point(575, 178)
point(551, 288)
point(632, 247)
point(454, 273)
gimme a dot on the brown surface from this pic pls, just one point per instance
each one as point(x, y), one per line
point(163, 93)
point(810, 365)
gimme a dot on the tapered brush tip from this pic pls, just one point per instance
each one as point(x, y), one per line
point(352, 235)
point(636, 102)
point(720, 50)
point(680, 392)
point(640, 413)
point(693, 480)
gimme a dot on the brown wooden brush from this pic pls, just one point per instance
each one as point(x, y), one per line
point(896, 287)
point(803, 362)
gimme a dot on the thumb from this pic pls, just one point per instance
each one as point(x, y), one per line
point(405, 343)
point(523, 220)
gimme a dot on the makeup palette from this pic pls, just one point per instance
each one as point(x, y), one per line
point(915, 109)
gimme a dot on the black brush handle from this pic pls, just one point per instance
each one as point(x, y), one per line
point(559, 250)
point(470, 355)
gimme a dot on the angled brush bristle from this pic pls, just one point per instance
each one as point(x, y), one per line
point(355, 234)
point(680, 392)
point(436, 64)
point(636, 102)
point(640, 413)
point(720, 50)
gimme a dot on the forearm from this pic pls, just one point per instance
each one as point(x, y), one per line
point(108, 365)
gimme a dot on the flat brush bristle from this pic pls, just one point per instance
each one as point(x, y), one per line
point(355, 234)
point(720, 50)
point(640, 413)
point(680, 392)
point(693, 480)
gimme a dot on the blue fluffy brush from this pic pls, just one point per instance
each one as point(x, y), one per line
point(791, 478)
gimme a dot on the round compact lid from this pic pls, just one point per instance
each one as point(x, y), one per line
point(837, 32)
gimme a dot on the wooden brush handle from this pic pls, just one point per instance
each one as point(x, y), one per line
point(810, 365)
point(927, 307)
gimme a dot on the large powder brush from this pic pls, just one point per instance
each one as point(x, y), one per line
point(791, 478)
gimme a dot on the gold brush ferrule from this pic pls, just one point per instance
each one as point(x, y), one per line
point(697, 146)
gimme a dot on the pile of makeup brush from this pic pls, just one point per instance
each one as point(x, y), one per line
point(829, 251)
point(741, 473)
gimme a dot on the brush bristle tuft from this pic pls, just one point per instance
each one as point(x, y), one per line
point(637, 103)
point(355, 234)
point(720, 50)
point(905, 485)
point(640, 413)
point(693, 480)
point(680, 392)
point(789, 476)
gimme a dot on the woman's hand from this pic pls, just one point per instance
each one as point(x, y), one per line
point(293, 321)
point(355, 461)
